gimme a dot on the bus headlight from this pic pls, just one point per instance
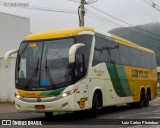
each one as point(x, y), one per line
point(65, 94)
point(18, 96)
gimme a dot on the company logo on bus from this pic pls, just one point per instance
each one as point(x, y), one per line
point(39, 99)
point(139, 73)
point(82, 102)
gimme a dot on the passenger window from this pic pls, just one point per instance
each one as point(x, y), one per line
point(153, 58)
point(101, 53)
point(133, 55)
point(124, 55)
point(114, 51)
point(142, 60)
point(148, 60)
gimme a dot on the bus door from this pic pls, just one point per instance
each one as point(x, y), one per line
point(81, 98)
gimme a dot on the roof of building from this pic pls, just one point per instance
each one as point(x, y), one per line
point(9, 14)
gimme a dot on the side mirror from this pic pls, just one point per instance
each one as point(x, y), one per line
point(6, 56)
point(72, 51)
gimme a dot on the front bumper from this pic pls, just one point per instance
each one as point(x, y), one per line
point(65, 104)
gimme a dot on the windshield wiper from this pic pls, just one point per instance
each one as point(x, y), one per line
point(48, 72)
point(34, 73)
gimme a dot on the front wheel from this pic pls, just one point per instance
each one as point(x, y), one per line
point(48, 114)
point(94, 109)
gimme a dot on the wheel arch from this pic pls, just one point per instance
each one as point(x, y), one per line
point(100, 95)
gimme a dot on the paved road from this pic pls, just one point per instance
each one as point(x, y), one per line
point(121, 112)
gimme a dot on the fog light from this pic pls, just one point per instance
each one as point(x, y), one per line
point(64, 105)
point(18, 106)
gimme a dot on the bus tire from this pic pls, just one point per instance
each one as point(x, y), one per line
point(147, 98)
point(94, 109)
point(142, 100)
point(48, 114)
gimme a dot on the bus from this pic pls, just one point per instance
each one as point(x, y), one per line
point(74, 69)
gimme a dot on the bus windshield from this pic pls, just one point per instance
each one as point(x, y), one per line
point(42, 65)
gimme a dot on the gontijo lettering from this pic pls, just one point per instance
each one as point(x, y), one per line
point(139, 73)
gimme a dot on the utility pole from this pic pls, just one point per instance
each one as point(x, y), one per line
point(82, 13)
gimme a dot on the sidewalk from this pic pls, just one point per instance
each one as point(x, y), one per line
point(7, 107)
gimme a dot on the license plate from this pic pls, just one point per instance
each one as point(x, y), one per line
point(39, 107)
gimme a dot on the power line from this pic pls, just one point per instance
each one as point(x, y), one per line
point(90, 1)
point(44, 8)
point(124, 21)
point(95, 18)
point(74, 1)
point(101, 19)
point(52, 9)
point(153, 4)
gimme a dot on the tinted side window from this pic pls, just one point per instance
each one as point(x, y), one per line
point(133, 55)
point(153, 58)
point(100, 51)
point(124, 54)
point(148, 59)
point(142, 59)
point(114, 52)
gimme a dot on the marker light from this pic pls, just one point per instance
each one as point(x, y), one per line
point(32, 45)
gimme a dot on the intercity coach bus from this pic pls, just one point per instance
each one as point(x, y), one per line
point(76, 69)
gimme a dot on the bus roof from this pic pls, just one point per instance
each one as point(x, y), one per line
point(58, 33)
point(129, 43)
point(123, 41)
point(68, 32)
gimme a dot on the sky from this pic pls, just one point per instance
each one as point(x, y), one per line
point(135, 12)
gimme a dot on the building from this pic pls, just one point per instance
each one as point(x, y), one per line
point(12, 31)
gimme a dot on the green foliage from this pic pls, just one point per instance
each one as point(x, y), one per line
point(152, 43)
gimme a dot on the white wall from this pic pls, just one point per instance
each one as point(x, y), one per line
point(7, 84)
point(12, 31)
